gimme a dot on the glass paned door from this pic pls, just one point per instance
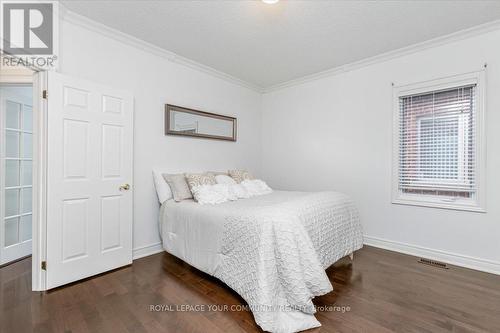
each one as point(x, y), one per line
point(16, 151)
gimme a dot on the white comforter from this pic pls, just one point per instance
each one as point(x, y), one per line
point(271, 249)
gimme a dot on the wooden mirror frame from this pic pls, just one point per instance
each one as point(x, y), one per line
point(168, 131)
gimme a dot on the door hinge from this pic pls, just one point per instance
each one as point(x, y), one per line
point(45, 94)
point(44, 265)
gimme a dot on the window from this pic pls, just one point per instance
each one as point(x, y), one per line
point(438, 146)
point(16, 190)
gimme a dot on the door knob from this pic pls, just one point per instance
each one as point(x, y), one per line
point(125, 187)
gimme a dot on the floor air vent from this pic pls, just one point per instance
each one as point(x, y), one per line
point(433, 263)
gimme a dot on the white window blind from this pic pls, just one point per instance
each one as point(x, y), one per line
point(437, 143)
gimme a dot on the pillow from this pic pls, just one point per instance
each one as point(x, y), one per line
point(256, 187)
point(239, 191)
point(224, 179)
point(213, 194)
point(162, 189)
point(197, 179)
point(240, 175)
point(232, 193)
point(178, 186)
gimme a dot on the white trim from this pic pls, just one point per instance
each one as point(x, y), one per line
point(479, 202)
point(147, 250)
point(104, 30)
point(456, 259)
point(21, 76)
point(39, 246)
point(443, 83)
point(38, 81)
point(439, 41)
point(436, 202)
point(8, 77)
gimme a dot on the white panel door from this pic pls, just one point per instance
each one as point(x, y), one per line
point(89, 181)
point(16, 137)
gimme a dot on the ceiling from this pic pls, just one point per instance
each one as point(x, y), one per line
point(267, 45)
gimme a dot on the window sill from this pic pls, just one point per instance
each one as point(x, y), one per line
point(442, 203)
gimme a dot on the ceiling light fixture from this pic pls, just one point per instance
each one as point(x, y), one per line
point(270, 2)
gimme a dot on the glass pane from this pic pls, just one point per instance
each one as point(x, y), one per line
point(11, 173)
point(28, 145)
point(27, 173)
point(11, 144)
point(439, 148)
point(28, 118)
point(25, 228)
point(11, 231)
point(26, 204)
point(13, 114)
point(11, 202)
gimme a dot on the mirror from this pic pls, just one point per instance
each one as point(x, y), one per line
point(189, 122)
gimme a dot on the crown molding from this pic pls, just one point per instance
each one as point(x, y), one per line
point(443, 40)
point(119, 36)
point(104, 30)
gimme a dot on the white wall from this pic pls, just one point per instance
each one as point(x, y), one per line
point(155, 81)
point(336, 133)
point(332, 133)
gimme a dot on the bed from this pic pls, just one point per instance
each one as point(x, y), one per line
point(271, 249)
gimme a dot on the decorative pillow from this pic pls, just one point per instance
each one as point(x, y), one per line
point(178, 186)
point(224, 179)
point(240, 175)
point(213, 194)
point(197, 179)
point(209, 194)
point(239, 191)
point(256, 187)
point(232, 193)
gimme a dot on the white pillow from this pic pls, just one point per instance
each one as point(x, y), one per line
point(213, 194)
point(162, 188)
point(256, 187)
point(224, 179)
point(228, 189)
point(239, 190)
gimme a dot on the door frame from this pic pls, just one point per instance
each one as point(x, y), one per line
point(38, 79)
point(39, 238)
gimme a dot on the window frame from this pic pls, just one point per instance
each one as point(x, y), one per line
point(476, 204)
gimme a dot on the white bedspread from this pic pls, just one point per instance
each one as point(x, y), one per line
point(271, 249)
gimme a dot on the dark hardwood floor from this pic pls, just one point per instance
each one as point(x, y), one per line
point(381, 291)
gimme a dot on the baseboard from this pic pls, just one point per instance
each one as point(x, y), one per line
point(483, 265)
point(147, 250)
